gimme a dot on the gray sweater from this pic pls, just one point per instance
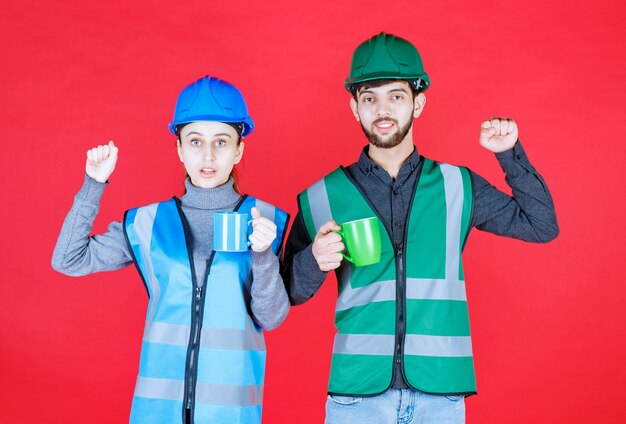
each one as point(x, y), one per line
point(77, 253)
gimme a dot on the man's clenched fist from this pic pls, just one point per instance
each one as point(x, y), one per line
point(498, 134)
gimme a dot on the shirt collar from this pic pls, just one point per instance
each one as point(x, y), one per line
point(368, 166)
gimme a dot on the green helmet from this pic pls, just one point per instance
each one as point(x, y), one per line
point(386, 56)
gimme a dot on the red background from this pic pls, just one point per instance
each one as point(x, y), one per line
point(548, 320)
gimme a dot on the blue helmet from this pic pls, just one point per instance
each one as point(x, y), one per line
point(211, 99)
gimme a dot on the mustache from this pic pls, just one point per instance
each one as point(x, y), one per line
point(385, 119)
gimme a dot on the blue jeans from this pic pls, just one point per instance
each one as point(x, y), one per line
point(396, 406)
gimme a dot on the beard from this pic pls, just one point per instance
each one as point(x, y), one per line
point(392, 141)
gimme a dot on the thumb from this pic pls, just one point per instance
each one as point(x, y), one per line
point(255, 213)
point(112, 149)
point(328, 227)
point(487, 129)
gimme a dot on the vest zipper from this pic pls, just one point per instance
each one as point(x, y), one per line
point(400, 258)
point(194, 344)
point(197, 313)
point(400, 308)
point(401, 316)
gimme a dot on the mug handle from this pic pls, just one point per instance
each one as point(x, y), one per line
point(249, 234)
point(348, 258)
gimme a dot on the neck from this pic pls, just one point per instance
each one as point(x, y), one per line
point(392, 159)
point(209, 198)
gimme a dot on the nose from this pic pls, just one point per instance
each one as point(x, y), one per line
point(383, 109)
point(207, 154)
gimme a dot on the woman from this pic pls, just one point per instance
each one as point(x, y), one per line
point(203, 354)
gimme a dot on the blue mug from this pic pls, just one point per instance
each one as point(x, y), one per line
point(230, 231)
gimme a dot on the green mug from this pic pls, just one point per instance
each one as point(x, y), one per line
point(362, 240)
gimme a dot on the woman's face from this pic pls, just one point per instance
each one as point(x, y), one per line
point(209, 151)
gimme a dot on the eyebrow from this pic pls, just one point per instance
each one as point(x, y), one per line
point(202, 135)
point(402, 89)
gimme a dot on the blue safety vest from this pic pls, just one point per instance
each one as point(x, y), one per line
point(201, 350)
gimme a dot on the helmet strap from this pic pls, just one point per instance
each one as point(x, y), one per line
point(417, 84)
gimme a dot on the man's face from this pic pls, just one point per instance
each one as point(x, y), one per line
point(386, 113)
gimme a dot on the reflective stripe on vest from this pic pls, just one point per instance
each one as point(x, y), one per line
point(219, 394)
point(230, 359)
point(437, 345)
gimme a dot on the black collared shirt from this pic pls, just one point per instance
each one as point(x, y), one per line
point(527, 215)
point(390, 197)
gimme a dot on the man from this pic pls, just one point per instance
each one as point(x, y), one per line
point(403, 352)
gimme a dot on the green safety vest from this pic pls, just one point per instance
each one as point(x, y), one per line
point(424, 274)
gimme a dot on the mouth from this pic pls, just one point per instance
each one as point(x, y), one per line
point(385, 126)
point(207, 172)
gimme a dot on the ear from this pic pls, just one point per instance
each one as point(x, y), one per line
point(179, 149)
point(355, 109)
point(420, 102)
point(239, 153)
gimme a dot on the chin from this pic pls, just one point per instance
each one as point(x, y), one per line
point(203, 183)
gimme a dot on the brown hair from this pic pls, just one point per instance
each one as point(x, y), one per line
point(354, 89)
point(235, 174)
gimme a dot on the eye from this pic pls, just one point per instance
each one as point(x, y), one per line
point(397, 97)
point(220, 143)
point(367, 99)
point(195, 142)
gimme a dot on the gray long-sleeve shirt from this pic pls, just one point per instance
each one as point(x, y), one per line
point(77, 253)
point(528, 215)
